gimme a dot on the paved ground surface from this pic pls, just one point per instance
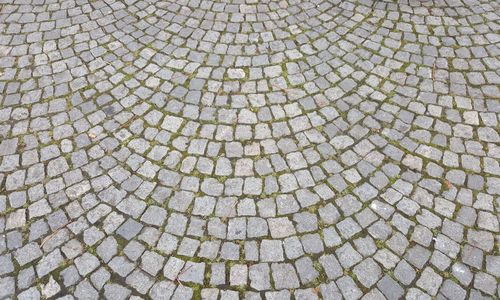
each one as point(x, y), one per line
point(258, 149)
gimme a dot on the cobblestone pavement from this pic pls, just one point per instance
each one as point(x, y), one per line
point(247, 149)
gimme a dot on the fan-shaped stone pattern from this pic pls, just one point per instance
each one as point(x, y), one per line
point(249, 149)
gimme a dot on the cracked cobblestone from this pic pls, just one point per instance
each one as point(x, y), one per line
point(245, 149)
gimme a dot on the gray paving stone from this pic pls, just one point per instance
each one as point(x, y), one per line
point(129, 229)
point(429, 281)
point(390, 288)
point(121, 266)
point(452, 290)
point(70, 276)
point(139, 281)
point(49, 263)
point(6, 264)
point(86, 263)
point(284, 276)
point(305, 269)
point(151, 262)
point(259, 276)
point(368, 272)
point(194, 272)
point(84, 290)
point(271, 251)
point(348, 288)
point(116, 291)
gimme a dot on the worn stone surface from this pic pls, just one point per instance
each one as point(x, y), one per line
point(249, 149)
